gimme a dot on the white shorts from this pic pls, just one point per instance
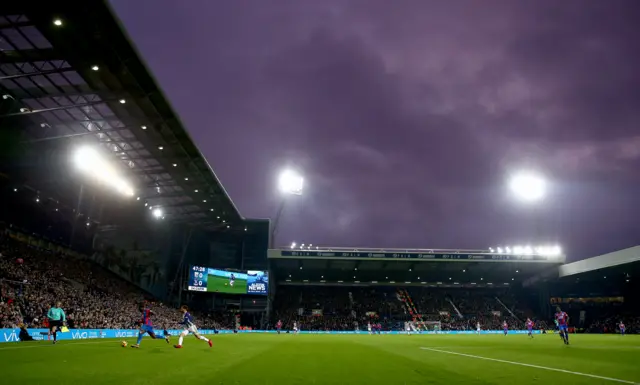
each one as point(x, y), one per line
point(295, 329)
point(369, 329)
point(191, 329)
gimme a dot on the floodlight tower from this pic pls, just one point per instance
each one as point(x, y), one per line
point(289, 183)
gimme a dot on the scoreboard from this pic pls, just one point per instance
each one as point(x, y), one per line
point(207, 279)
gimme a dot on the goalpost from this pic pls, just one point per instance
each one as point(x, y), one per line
point(431, 326)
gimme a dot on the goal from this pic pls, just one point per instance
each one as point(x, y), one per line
point(431, 326)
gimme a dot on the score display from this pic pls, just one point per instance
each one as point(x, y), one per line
point(231, 282)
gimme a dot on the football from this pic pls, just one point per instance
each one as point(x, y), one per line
point(124, 344)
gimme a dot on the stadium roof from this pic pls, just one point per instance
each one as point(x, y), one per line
point(428, 267)
point(69, 74)
point(619, 266)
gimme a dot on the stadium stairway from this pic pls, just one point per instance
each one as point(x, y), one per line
point(407, 301)
point(454, 307)
point(507, 309)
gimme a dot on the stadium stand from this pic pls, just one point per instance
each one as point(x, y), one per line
point(71, 80)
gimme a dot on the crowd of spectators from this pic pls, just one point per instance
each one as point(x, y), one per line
point(31, 280)
point(351, 308)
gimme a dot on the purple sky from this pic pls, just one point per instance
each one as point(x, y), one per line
point(406, 117)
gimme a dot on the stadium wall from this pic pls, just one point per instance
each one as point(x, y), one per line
point(11, 335)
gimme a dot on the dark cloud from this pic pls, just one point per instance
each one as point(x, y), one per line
point(408, 116)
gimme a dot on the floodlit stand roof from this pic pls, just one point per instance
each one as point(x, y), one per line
point(69, 74)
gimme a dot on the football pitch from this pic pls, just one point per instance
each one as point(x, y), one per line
point(288, 359)
point(221, 285)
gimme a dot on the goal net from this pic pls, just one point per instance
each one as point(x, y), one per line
point(431, 326)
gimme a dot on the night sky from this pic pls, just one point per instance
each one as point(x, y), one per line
point(408, 117)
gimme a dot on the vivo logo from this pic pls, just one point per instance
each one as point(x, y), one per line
point(79, 335)
point(10, 337)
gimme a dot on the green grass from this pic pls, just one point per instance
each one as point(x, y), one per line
point(221, 285)
point(326, 359)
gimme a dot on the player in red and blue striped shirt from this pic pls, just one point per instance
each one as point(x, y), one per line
point(530, 327)
point(562, 319)
point(146, 326)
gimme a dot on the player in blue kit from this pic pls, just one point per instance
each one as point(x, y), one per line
point(621, 326)
point(505, 327)
point(146, 326)
point(189, 327)
point(562, 320)
point(232, 279)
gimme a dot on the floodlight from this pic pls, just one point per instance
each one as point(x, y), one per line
point(122, 101)
point(57, 22)
point(157, 213)
point(143, 127)
point(528, 187)
point(95, 68)
point(499, 250)
point(88, 160)
point(290, 183)
point(293, 245)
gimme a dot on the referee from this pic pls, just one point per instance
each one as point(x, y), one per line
point(56, 318)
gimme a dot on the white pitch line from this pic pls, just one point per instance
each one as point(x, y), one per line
point(532, 366)
point(14, 347)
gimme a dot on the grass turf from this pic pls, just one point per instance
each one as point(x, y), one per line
point(221, 285)
point(327, 359)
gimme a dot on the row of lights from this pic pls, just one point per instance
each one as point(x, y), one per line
point(56, 209)
point(410, 269)
point(418, 278)
point(322, 280)
point(547, 251)
point(303, 246)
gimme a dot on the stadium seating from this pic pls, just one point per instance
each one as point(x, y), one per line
point(31, 280)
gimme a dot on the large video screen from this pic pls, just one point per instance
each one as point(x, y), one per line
point(232, 282)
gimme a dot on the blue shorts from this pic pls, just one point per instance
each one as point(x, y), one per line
point(563, 328)
point(530, 330)
point(146, 328)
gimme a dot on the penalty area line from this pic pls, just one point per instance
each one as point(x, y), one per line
point(530, 366)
